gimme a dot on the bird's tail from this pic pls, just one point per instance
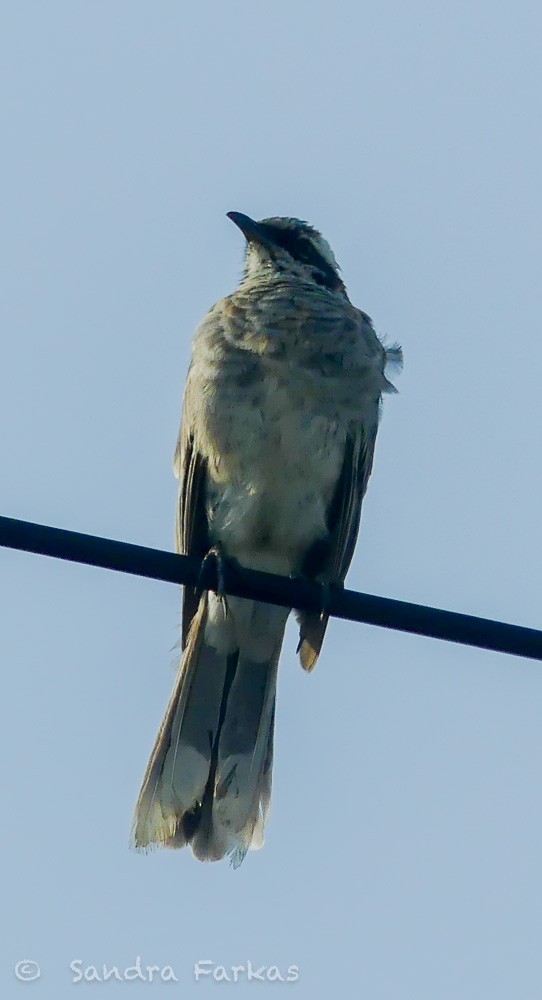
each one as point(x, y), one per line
point(208, 781)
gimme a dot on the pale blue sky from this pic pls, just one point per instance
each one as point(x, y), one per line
point(404, 851)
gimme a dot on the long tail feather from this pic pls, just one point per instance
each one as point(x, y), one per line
point(208, 781)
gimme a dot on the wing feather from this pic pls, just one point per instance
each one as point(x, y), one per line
point(343, 520)
point(192, 536)
point(345, 509)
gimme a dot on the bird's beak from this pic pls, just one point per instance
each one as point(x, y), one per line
point(253, 231)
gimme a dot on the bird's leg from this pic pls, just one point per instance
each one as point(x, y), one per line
point(325, 599)
point(212, 572)
point(327, 589)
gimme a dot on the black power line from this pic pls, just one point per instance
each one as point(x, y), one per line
point(291, 593)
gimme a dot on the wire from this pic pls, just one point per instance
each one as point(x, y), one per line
point(287, 592)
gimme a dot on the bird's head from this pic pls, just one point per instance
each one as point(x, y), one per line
point(288, 246)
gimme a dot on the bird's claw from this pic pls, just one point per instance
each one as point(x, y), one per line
point(325, 599)
point(327, 589)
point(212, 572)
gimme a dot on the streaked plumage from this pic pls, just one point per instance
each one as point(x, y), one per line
point(274, 454)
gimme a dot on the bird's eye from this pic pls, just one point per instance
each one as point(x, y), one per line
point(303, 250)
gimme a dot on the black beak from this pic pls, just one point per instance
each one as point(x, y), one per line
point(253, 231)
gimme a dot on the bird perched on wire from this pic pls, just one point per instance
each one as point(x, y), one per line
point(274, 454)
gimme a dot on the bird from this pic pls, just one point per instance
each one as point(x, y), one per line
point(279, 421)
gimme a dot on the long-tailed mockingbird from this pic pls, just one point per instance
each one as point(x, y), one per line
point(274, 453)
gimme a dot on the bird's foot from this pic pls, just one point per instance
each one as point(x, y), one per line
point(325, 599)
point(212, 575)
point(327, 589)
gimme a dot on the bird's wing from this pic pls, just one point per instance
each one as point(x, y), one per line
point(345, 511)
point(191, 520)
point(332, 557)
point(343, 518)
